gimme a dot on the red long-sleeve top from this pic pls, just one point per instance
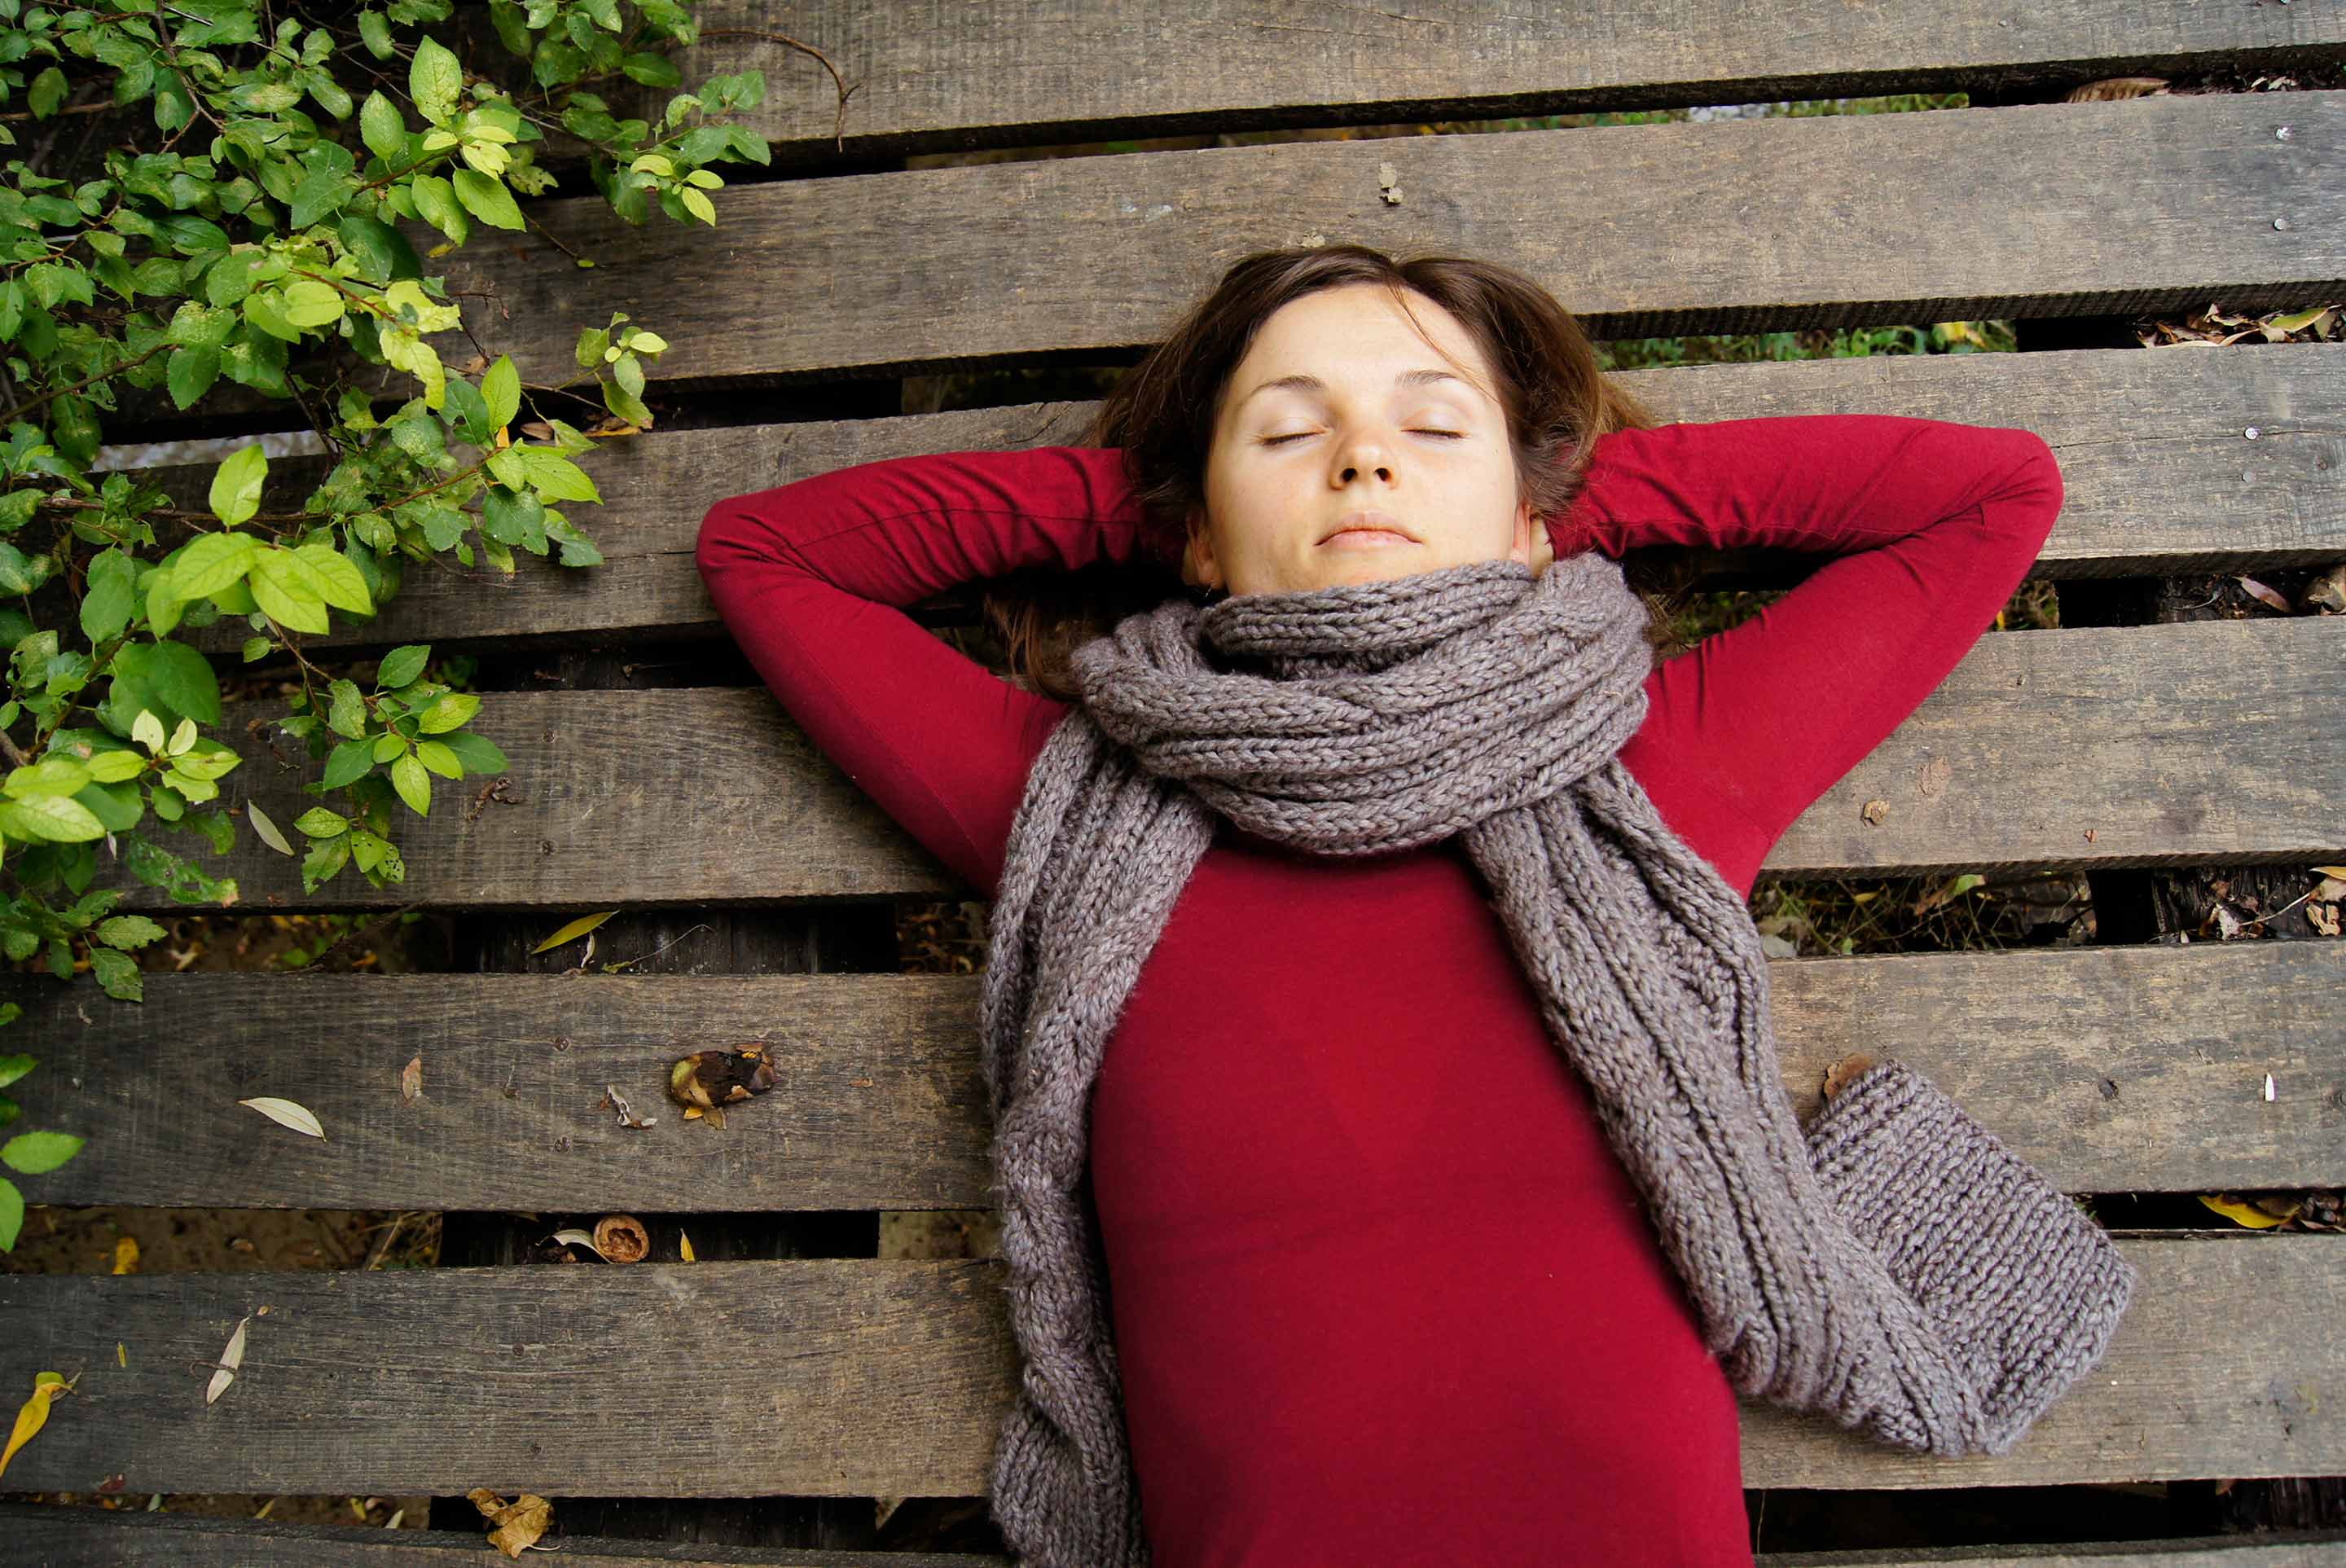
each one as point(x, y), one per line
point(1381, 1291)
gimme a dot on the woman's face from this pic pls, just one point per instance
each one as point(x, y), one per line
point(1291, 464)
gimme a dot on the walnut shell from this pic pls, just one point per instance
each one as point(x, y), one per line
point(622, 1238)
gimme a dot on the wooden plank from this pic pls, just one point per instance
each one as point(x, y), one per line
point(889, 1378)
point(1741, 226)
point(2094, 746)
point(2137, 1069)
point(1113, 68)
point(97, 1538)
point(2156, 475)
point(73, 1537)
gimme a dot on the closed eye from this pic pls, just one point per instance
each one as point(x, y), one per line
point(1299, 435)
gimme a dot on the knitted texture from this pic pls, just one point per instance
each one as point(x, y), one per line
point(1892, 1267)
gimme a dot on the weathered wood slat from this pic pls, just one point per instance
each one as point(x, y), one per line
point(1739, 226)
point(2157, 474)
point(2107, 746)
point(889, 1378)
point(95, 1538)
point(1100, 71)
point(2113, 1069)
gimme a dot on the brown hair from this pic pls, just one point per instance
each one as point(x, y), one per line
point(1556, 399)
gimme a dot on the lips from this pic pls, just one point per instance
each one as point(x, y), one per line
point(1371, 526)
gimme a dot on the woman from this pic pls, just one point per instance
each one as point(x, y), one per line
point(1382, 1291)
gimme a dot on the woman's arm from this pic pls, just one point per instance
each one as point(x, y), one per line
point(810, 576)
point(1932, 525)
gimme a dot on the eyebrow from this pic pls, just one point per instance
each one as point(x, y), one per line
point(1302, 383)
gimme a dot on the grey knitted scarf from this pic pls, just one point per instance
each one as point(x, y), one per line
point(1891, 1265)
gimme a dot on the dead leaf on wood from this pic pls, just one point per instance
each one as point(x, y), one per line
point(410, 1080)
point(231, 1361)
point(1933, 780)
point(287, 1114)
point(518, 1524)
point(1837, 1076)
point(2273, 596)
point(614, 1101)
point(578, 1239)
point(1875, 810)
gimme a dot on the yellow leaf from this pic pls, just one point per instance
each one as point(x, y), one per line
point(686, 1242)
point(125, 1254)
point(2248, 1215)
point(121, 1356)
point(573, 930)
point(35, 1412)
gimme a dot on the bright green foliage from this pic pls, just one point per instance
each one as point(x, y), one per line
point(261, 217)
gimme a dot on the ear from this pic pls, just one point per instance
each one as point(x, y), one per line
point(1198, 567)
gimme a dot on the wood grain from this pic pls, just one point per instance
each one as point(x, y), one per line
point(2095, 746)
point(2112, 1070)
point(1741, 225)
point(889, 1379)
point(2156, 475)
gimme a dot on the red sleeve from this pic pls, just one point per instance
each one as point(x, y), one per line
point(810, 578)
point(1932, 525)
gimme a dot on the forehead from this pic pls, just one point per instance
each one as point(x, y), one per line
point(1359, 331)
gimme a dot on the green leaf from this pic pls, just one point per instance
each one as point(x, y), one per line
point(53, 819)
point(340, 583)
point(439, 758)
point(256, 648)
point(189, 373)
point(400, 665)
point(12, 1204)
point(49, 776)
point(128, 932)
point(212, 562)
point(434, 80)
point(348, 763)
point(148, 731)
point(236, 487)
point(15, 1067)
point(34, 1154)
point(478, 753)
point(114, 767)
point(380, 125)
point(321, 823)
point(287, 590)
point(110, 596)
point(326, 858)
point(310, 303)
point(413, 784)
point(346, 709)
point(451, 712)
point(266, 829)
point(118, 974)
point(487, 199)
point(388, 746)
point(501, 389)
point(182, 677)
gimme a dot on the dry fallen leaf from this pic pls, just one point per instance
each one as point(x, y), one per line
point(518, 1524)
point(34, 1413)
point(125, 1254)
point(614, 1101)
point(1837, 1076)
point(266, 830)
point(2255, 1219)
point(684, 1245)
point(231, 1359)
point(572, 931)
point(410, 1080)
point(2273, 596)
point(1874, 811)
point(578, 1239)
point(286, 1113)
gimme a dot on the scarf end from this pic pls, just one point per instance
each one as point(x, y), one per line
point(2020, 1290)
